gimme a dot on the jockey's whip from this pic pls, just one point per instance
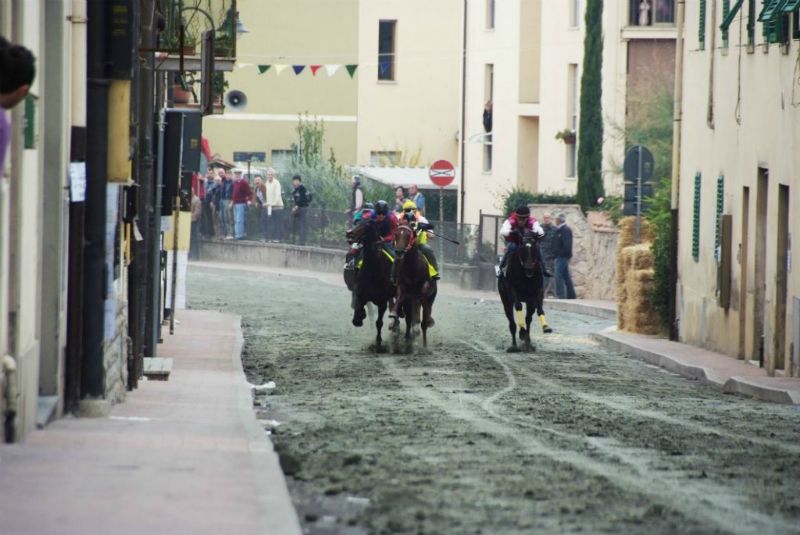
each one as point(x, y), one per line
point(445, 238)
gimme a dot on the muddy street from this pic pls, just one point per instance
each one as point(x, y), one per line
point(468, 438)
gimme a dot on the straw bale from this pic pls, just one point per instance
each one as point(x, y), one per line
point(637, 257)
point(627, 232)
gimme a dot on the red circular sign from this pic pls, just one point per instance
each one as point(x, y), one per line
point(442, 173)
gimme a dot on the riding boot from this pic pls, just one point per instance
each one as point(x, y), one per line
point(428, 252)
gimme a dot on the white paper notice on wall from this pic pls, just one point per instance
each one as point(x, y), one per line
point(77, 181)
point(166, 223)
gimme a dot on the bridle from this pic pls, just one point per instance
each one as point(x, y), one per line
point(407, 232)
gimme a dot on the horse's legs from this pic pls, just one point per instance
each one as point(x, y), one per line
point(426, 317)
point(529, 309)
point(512, 327)
point(359, 313)
point(540, 312)
point(379, 325)
point(523, 332)
point(408, 310)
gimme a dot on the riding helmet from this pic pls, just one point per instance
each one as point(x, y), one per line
point(382, 207)
point(523, 210)
point(368, 206)
point(409, 205)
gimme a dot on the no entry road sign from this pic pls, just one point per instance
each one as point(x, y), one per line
point(442, 173)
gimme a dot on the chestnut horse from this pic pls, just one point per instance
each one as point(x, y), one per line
point(415, 288)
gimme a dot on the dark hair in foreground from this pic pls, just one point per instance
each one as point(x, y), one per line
point(297, 177)
point(16, 66)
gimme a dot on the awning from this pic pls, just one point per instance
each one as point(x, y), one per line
point(401, 176)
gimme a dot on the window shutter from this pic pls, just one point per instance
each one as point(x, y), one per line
point(726, 11)
point(751, 23)
point(701, 30)
point(696, 218)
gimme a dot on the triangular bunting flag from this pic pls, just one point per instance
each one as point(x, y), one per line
point(263, 68)
point(279, 68)
point(331, 69)
point(298, 69)
point(314, 69)
point(351, 69)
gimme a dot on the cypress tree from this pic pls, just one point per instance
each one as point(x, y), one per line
point(590, 128)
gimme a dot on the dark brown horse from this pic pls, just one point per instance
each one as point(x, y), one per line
point(372, 280)
point(523, 283)
point(415, 289)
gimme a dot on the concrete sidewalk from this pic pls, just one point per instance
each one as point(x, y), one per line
point(182, 456)
point(715, 369)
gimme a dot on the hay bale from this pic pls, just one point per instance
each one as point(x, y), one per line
point(627, 231)
point(633, 300)
point(635, 257)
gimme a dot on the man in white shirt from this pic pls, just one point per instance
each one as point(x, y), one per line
point(274, 207)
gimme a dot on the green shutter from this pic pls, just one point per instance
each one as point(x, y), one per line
point(696, 218)
point(791, 5)
point(701, 30)
point(726, 10)
point(751, 22)
point(720, 207)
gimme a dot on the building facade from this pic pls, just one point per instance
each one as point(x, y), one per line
point(738, 290)
point(525, 56)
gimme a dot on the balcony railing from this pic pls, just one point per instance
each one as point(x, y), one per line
point(187, 20)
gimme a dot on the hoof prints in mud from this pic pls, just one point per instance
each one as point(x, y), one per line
point(582, 440)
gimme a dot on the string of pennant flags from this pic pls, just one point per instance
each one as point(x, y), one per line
point(330, 69)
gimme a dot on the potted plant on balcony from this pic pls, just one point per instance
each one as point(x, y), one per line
point(567, 136)
point(181, 91)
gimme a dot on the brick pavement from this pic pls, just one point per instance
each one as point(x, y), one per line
point(181, 456)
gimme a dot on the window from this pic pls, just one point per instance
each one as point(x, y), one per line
point(384, 158)
point(572, 148)
point(575, 13)
point(701, 28)
point(726, 14)
point(775, 17)
point(652, 12)
point(490, 7)
point(282, 159)
point(751, 25)
point(488, 116)
point(387, 30)
point(696, 218)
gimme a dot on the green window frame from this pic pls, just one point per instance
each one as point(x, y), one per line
point(775, 20)
point(696, 217)
point(701, 30)
point(720, 207)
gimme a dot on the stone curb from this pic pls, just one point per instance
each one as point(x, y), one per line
point(735, 385)
point(279, 515)
point(575, 306)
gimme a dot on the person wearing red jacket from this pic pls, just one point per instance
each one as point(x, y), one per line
point(242, 198)
point(387, 223)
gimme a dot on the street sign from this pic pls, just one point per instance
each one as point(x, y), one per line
point(632, 160)
point(442, 173)
point(239, 156)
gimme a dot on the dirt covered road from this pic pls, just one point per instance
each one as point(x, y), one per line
point(471, 439)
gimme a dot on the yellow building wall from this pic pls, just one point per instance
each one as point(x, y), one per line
point(760, 130)
point(302, 32)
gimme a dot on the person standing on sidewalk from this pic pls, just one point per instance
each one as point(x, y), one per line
point(225, 196)
point(301, 202)
point(260, 199)
point(197, 213)
point(546, 246)
point(416, 195)
point(356, 199)
point(562, 252)
point(274, 207)
point(242, 198)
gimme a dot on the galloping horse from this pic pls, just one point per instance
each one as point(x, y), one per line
point(523, 283)
point(415, 288)
point(372, 280)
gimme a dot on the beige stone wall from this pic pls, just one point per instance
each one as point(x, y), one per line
point(593, 264)
point(756, 124)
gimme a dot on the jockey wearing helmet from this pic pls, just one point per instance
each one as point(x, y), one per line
point(386, 223)
point(518, 222)
point(421, 226)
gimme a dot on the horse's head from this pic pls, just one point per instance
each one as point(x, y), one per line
point(364, 233)
point(403, 240)
point(529, 253)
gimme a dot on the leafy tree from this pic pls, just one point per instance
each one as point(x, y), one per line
point(590, 130)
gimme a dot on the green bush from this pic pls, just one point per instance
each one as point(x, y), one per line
point(661, 224)
point(518, 196)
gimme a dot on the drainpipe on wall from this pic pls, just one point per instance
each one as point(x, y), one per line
point(463, 111)
point(77, 211)
point(95, 275)
point(676, 170)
